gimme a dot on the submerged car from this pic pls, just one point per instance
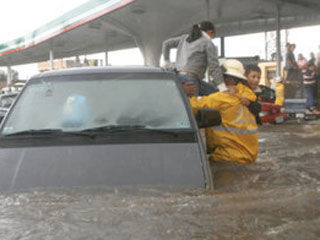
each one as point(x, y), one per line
point(103, 126)
point(6, 101)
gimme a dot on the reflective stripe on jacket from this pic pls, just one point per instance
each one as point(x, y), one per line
point(236, 139)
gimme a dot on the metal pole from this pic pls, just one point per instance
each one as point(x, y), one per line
point(9, 76)
point(106, 58)
point(51, 60)
point(266, 45)
point(278, 40)
point(222, 46)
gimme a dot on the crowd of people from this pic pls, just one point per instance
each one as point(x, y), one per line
point(307, 72)
point(234, 92)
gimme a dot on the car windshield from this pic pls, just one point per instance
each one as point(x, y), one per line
point(72, 105)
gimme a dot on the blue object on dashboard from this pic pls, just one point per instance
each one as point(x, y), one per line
point(75, 111)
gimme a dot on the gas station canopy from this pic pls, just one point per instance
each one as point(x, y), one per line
point(107, 25)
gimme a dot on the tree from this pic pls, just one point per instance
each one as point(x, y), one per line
point(270, 44)
point(4, 77)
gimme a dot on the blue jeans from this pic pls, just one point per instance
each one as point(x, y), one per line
point(202, 88)
point(310, 91)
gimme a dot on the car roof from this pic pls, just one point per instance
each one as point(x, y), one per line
point(101, 70)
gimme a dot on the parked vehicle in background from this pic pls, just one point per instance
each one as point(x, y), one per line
point(18, 86)
point(6, 101)
point(272, 113)
point(103, 126)
point(14, 88)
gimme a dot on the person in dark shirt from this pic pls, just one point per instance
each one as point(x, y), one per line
point(293, 78)
point(253, 74)
point(310, 83)
point(312, 59)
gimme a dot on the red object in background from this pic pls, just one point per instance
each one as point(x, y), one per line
point(272, 113)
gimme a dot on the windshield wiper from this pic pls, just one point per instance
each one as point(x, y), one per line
point(128, 128)
point(113, 128)
point(54, 131)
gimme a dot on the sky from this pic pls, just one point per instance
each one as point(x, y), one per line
point(19, 18)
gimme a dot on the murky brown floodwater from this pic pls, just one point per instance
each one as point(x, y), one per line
point(278, 197)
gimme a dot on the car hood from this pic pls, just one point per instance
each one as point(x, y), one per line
point(117, 164)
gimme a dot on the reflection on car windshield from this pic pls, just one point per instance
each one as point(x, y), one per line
point(79, 105)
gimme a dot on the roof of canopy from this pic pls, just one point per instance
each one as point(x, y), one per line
point(106, 25)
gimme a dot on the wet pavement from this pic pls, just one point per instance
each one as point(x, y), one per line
point(278, 197)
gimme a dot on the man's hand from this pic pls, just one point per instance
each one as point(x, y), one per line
point(189, 88)
point(245, 101)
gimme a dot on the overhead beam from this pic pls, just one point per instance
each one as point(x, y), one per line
point(126, 30)
point(305, 5)
point(119, 26)
point(308, 5)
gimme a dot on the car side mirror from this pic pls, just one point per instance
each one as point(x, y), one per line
point(208, 118)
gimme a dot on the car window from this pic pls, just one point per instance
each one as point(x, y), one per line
point(6, 101)
point(77, 105)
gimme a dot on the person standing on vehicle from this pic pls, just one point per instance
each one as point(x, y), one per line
point(195, 53)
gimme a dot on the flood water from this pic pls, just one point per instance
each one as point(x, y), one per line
point(278, 197)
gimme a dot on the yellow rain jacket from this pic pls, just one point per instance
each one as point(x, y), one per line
point(236, 139)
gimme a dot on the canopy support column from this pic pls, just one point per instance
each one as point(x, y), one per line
point(266, 45)
point(151, 51)
point(106, 58)
point(278, 41)
point(51, 60)
point(9, 76)
point(222, 47)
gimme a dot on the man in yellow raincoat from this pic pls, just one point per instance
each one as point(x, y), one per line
point(236, 139)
